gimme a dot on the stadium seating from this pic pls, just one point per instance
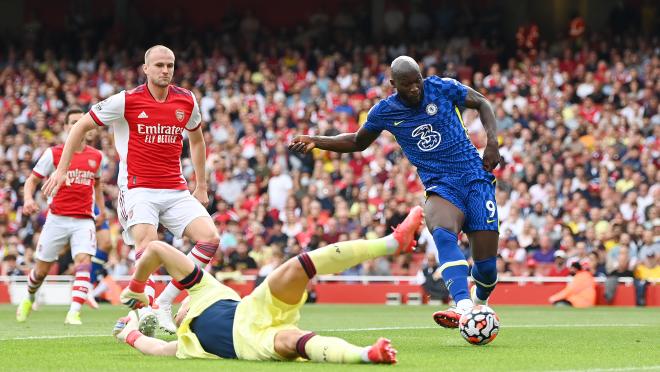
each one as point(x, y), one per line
point(578, 124)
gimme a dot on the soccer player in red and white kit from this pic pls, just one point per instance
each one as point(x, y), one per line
point(70, 220)
point(149, 122)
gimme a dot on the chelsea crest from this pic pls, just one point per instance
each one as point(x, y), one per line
point(431, 109)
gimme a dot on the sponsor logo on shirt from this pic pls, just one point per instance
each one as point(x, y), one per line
point(160, 133)
point(80, 177)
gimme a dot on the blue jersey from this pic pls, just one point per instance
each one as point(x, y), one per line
point(432, 135)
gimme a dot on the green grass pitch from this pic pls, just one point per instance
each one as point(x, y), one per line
point(530, 339)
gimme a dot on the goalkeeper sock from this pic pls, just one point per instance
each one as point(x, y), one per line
point(329, 349)
point(338, 257)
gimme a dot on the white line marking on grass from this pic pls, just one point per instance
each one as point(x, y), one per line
point(53, 337)
point(609, 325)
point(641, 368)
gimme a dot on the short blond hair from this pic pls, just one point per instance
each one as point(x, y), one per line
point(158, 46)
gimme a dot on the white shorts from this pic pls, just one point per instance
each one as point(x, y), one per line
point(174, 209)
point(58, 231)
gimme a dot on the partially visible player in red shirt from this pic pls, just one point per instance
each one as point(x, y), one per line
point(70, 220)
point(149, 123)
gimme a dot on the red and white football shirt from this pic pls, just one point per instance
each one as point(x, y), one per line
point(75, 198)
point(149, 135)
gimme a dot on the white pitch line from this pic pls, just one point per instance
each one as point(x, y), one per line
point(53, 337)
point(610, 325)
point(641, 368)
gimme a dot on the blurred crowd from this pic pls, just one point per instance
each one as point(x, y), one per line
point(578, 123)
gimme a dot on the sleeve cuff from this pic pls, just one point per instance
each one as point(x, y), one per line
point(96, 119)
point(195, 128)
point(37, 174)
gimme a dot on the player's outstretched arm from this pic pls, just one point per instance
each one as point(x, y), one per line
point(75, 137)
point(345, 142)
point(126, 330)
point(477, 101)
point(153, 346)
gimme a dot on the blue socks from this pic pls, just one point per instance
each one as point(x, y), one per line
point(453, 266)
point(99, 259)
point(484, 273)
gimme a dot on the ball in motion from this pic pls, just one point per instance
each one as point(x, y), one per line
point(480, 325)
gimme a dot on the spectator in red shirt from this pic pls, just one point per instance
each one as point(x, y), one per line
point(559, 267)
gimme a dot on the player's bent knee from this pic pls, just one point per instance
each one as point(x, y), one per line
point(295, 270)
point(210, 236)
point(82, 259)
point(156, 246)
point(215, 239)
point(286, 343)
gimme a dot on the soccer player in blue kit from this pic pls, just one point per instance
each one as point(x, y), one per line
point(424, 117)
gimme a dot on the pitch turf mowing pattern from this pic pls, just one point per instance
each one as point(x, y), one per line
point(530, 339)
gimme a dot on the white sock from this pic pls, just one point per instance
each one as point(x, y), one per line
point(75, 307)
point(202, 253)
point(365, 354)
point(100, 289)
point(169, 294)
point(79, 290)
point(464, 304)
point(143, 310)
point(391, 244)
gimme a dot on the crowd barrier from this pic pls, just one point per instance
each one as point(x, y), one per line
point(359, 289)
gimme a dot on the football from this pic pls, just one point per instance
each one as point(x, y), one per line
point(479, 326)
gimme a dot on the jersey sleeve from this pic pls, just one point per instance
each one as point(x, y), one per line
point(195, 116)
point(452, 89)
point(109, 110)
point(374, 123)
point(45, 166)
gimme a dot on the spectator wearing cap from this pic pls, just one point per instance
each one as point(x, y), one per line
point(559, 267)
point(580, 292)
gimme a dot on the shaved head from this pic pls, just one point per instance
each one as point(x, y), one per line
point(407, 79)
point(404, 65)
point(159, 48)
point(159, 65)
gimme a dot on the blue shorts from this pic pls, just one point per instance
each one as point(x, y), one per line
point(214, 328)
point(474, 195)
point(105, 225)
